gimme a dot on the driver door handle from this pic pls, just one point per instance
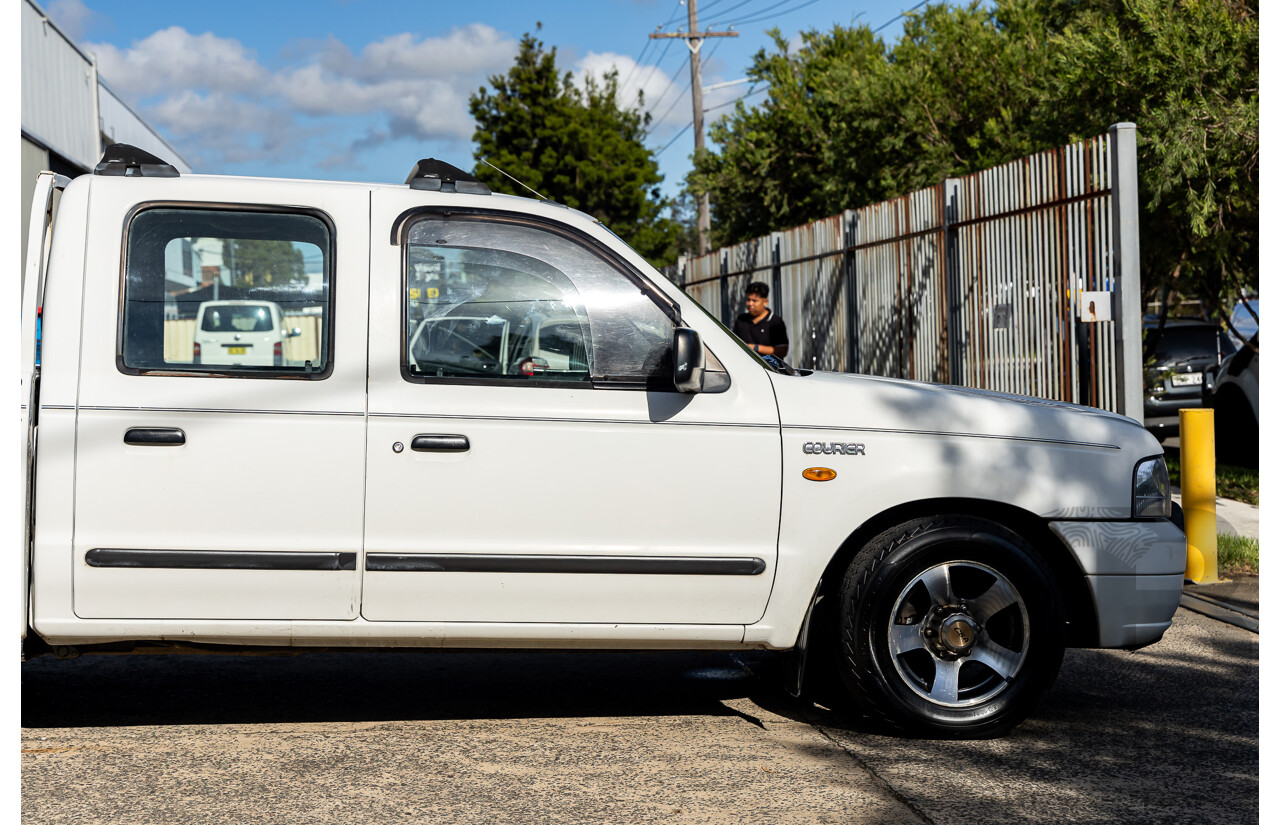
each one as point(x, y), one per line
point(155, 437)
point(440, 444)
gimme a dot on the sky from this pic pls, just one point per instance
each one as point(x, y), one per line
point(361, 89)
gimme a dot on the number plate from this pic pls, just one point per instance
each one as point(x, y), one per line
point(1188, 379)
point(237, 350)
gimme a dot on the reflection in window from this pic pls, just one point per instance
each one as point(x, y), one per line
point(509, 301)
point(226, 290)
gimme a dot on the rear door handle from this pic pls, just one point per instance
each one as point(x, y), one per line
point(155, 437)
point(441, 444)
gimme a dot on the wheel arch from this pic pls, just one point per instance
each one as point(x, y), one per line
point(1078, 603)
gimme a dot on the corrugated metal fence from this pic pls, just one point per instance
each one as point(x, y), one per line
point(976, 281)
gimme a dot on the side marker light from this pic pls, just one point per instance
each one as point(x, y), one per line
point(819, 474)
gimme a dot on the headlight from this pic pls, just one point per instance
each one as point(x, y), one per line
point(1151, 489)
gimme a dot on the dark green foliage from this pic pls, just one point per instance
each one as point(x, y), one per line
point(575, 146)
point(261, 263)
point(850, 120)
point(1187, 73)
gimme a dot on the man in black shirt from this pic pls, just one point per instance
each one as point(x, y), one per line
point(763, 331)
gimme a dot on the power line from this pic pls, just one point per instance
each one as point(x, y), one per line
point(689, 125)
point(749, 93)
point(658, 62)
point(731, 8)
point(667, 90)
point(680, 17)
point(771, 16)
point(899, 17)
point(663, 96)
point(638, 61)
point(686, 88)
point(686, 128)
point(751, 14)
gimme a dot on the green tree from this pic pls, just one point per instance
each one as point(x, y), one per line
point(577, 146)
point(1186, 73)
point(260, 263)
point(850, 121)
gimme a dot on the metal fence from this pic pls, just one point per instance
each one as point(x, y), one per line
point(984, 281)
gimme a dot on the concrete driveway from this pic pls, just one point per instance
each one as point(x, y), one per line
point(1167, 734)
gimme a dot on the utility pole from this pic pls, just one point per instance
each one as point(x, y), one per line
point(693, 39)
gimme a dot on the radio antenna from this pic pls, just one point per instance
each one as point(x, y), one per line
point(530, 188)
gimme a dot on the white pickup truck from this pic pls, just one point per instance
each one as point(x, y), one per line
point(574, 455)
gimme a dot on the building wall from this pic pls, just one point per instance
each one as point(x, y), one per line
point(59, 92)
point(120, 124)
point(68, 114)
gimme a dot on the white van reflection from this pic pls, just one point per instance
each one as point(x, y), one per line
point(241, 333)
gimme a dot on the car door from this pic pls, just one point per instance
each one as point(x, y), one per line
point(214, 491)
point(517, 475)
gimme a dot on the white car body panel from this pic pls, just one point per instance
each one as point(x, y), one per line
point(558, 471)
point(241, 432)
point(550, 472)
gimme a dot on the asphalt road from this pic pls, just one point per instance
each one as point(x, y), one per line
point(1168, 734)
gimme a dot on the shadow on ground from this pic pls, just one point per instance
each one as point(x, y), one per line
point(107, 690)
point(1165, 734)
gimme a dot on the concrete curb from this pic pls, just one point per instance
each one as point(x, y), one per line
point(1234, 517)
point(1215, 609)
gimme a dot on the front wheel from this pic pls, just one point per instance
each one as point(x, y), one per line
point(950, 627)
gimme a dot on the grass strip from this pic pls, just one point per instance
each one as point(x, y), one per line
point(1237, 555)
point(1236, 483)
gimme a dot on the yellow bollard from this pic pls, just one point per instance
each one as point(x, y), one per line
point(1199, 494)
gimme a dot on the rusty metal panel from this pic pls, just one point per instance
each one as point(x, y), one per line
point(983, 292)
point(812, 299)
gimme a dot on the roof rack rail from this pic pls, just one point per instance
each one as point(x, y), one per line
point(131, 162)
point(437, 176)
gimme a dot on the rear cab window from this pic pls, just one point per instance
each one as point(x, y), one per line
point(234, 292)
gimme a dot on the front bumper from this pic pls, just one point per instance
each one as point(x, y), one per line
point(1135, 571)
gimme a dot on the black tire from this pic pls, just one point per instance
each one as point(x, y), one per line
point(974, 608)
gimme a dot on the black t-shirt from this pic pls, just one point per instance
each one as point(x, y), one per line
point(770, 332)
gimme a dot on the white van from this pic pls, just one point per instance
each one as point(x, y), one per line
point(240, 333)
point(644, 481)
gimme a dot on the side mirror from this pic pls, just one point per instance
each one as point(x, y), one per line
point(690, 360)
point(293, 333)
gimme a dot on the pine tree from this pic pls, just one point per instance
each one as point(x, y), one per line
point(576, 146)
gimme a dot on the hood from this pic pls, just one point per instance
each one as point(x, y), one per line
point(830, 400)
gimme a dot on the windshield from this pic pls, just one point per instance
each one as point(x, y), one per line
point(1244, 321)
point(1182, 344)
point(237, 318)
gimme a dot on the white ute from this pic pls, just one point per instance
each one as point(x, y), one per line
point(573, 455)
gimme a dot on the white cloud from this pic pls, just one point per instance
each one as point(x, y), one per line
point(214, 91)
point(74, 17)
point(632, 78)
point(470, 50)
point(666, 98)
point(224, 128)
point(172, 60)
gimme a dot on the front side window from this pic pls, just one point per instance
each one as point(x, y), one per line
point(227, 291)
point(512, 302)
